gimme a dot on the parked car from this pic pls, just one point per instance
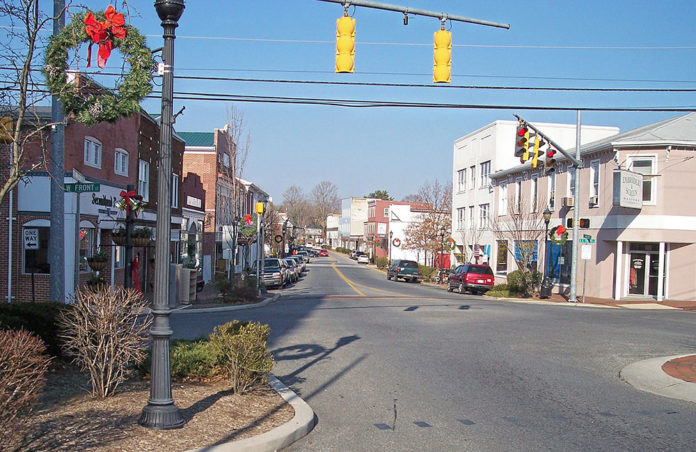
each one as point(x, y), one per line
point(300, 262)
point(273, 273)
point(323, 253)
point(304, 254)
point(353, 254)
point(472, 277)
point(363, 259)
point(405, 269)
point(293, 269)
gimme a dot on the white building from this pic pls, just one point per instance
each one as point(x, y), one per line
point(400, 218)
point(476, 156)
point(332, 237)
point(351, 226)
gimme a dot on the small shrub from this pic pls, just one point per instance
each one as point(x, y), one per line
point(106, 335)
point(523, 282)
point(427, 272)
point(223, 284)
point(499, 290)
point(192, 359)
point(381, 262)
point(23, 365)
point(242, 353)
point(37, 318)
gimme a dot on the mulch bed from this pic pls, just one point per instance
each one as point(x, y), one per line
point(69, 419)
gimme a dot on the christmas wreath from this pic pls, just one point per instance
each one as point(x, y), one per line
point(108, 30)
point(558, 235)
point(450, 244)
point(396, 242)
point(247, 226)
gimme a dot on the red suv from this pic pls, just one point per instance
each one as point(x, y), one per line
point(472, 277)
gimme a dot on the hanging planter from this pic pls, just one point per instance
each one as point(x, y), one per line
point(119, 236)
point(98, 261)
point(141, 236)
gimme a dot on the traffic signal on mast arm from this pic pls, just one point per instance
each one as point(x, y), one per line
point(538, 142)
point(522, 142)
point(550, 160)
point(345, 43)
point(442, 56)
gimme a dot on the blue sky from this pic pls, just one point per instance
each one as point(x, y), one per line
point(624, 44)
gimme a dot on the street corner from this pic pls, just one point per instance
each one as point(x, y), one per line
point(650, 375)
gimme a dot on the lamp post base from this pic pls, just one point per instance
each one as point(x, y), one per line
point(161, 417)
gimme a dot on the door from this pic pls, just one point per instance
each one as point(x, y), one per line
point(636, 278)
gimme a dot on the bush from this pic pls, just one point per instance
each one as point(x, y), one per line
point(106, 335)
point(381, 262)
point(242, 353)
point(23, 365)
point(37, 318)
point(192, 359)
point(523, 282)
point(499, 290)
point(223, 284)
point(427, 272)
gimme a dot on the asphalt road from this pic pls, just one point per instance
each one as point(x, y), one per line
point(399, 366)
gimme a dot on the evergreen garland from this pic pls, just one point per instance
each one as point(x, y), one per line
point(92, 105)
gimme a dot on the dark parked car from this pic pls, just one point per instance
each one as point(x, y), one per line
point(472, 277)
point(273, 275)
point(405, 269)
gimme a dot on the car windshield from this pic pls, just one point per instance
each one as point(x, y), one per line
point(480, 269)
point(270, 263)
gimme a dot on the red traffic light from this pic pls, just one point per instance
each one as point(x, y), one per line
point(551, 153)
point(522, 131)
point(584, 223)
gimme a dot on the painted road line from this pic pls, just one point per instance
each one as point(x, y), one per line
point(348, 281)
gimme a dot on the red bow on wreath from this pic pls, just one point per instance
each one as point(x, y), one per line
point(560, 230)
point(247, 219)
point(102, 33)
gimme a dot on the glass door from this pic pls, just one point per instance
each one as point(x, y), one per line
point(636, 278)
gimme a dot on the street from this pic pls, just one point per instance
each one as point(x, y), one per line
point(399, 366)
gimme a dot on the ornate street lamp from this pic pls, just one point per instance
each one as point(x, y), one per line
point(161, 412)
point(391, 234)
point(545, 291)
point(441, 237)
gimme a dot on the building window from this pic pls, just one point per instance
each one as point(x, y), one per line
point(501, 261)
point(386, 212)
point(483, 216)
point(86, 247)
point(502, 199)
point(144, 180)
point(461, 177)
point(551, 194)
point(93, 152)
point(594, 183)
point(121, 162)
point(472, 175)
point(518, 196)
point(472, 220)
point(485, 172)
point(647, 166)
point(175, 190)
point(226, 160)
point(534, 193)
point(461, 218)
point(36, 257)
point(571, 181)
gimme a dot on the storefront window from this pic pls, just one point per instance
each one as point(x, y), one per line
point(86, 247)
point(501, 261)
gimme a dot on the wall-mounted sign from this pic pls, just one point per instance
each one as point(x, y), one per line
point(628, 189)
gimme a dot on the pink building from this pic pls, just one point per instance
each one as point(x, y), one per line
point(378, 221)
point(644, 230)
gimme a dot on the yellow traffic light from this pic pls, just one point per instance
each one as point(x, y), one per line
point(345, 44)
point(535, 152)
point(442, 56)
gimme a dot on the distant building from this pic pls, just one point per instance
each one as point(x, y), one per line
point(351, 227)
point(377, 226)
point(332, 237)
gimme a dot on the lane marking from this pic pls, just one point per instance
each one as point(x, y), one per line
point(348, 281)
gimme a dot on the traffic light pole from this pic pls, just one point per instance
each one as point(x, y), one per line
point(417, 12)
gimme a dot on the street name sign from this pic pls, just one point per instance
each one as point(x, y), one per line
point(82, 188)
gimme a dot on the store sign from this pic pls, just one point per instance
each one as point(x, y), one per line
point(628, 189)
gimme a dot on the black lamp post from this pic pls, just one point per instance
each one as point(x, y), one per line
point(391, 234)
point(161, 412)
point(545, 291)
point(441, 237)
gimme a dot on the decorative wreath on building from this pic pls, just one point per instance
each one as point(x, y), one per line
point(450, 244)
point(396, 242)
point(247, 226)
point(558, 235)
point(108, 30)
point(130, 200)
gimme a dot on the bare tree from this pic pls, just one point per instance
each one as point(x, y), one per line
point(523, 228)
point(326, 201)
point(297, 206)
point(424, 235)
point(20, 124)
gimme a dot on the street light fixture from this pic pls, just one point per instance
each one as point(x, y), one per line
point(160, 412)
point(441, 237)
point(391, 234)
point(545, 291)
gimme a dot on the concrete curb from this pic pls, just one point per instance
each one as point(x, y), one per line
point(647, 375)
point(189, 309)
point(299, 426)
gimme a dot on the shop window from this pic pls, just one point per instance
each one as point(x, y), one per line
point(502, 256)
point(86, 247)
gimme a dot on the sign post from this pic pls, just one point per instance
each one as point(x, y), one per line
point(586, 256)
